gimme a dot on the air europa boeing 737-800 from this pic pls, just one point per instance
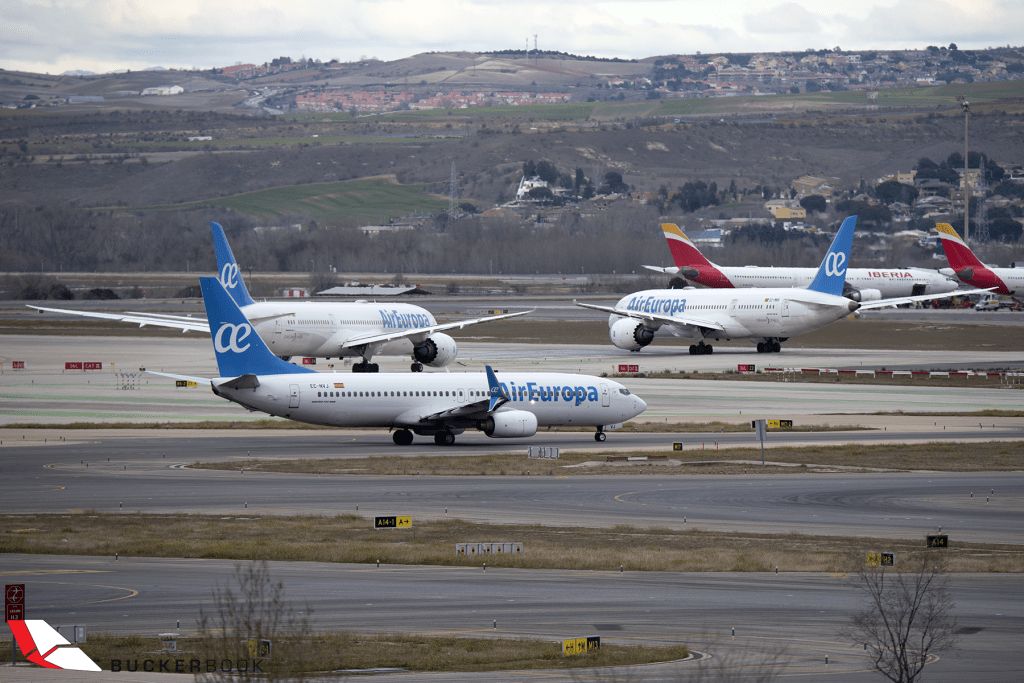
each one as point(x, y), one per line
point(322, 329)
point(440, 404)
point(862, 284)
point(766, 316)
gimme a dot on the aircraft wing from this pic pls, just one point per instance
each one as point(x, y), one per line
point(391, 336)
point(184, 323)
point(496, 397)
point(655, 318)
point(474, 408)
point(921, 297)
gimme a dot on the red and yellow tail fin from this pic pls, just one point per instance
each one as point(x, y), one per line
point(684, 252)
point(958, 253)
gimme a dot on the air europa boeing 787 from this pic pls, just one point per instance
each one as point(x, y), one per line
point(766, 316)
point(862, 284)
point(438, 404)
point(322, 329)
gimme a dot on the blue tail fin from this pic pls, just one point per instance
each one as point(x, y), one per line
point(240, 351)
point(497, 395)
point(831, 274)
point(230, 276)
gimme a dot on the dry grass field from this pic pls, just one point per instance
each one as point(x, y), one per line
point(328, 652)
point(990, 456)
point(352, 539)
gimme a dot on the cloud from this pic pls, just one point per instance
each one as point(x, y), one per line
point(787, 18)
point(101, 35)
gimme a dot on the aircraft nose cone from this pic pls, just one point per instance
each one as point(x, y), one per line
point(640, 405)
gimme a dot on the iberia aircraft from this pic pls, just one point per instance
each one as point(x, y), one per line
point(862, 284)
point(767, 316)
point(322, 329)
point(970, 270)
point(436, 404)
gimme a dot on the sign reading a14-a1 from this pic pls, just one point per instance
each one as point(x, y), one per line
point(580, 646)
point(392, 522)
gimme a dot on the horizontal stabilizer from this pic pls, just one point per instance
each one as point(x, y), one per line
point(244, 382)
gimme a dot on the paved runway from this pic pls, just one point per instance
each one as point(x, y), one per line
point(146, 476)
point(796, 612)
point(44, 392)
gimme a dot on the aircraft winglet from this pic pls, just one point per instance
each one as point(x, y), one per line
point(498, 395)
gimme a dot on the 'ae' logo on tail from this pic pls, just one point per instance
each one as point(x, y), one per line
point(229, 275)
point(834, 263)
point(235, 334)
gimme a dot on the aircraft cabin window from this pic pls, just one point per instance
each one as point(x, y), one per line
point(318, 394)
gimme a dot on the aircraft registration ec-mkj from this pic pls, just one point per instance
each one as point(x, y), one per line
point(439, 404)
point(767, 316)
point(321, 329)
point(862, 284)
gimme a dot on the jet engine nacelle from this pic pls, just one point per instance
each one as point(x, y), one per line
point(864, 295)
point(437, 350)
point(630, 335)
point(510, 424)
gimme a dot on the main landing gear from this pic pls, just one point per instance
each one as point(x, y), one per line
point(444, 439)
point(701, 349)
point(403, 437)
point(769, 347)
point(417, 367)
point(364, 366)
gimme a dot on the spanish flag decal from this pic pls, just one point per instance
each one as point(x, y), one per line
point(339, 385)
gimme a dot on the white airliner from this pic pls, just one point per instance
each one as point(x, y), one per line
point(435, 404)
point(862, 284)
point(767, 316)
point(970, 270)
point(321, 329)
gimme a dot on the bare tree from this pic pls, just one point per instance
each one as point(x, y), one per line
point(251, 611)
point(908, 617)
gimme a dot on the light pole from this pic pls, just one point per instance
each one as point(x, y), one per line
point(965, 105)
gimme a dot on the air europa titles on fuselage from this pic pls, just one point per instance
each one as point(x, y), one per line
point(654, 304)
point(394, 319)
point(531, 391)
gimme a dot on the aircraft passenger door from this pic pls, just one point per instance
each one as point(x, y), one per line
point(732, 308)
point(785, 310)
point(278, 326)
point(334, 324)
point(605, 396)
point(462, 395)
point(293, 395)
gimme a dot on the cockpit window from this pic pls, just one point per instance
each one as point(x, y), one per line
point(624, 392)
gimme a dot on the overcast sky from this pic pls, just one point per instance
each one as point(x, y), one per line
point(54, 36)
